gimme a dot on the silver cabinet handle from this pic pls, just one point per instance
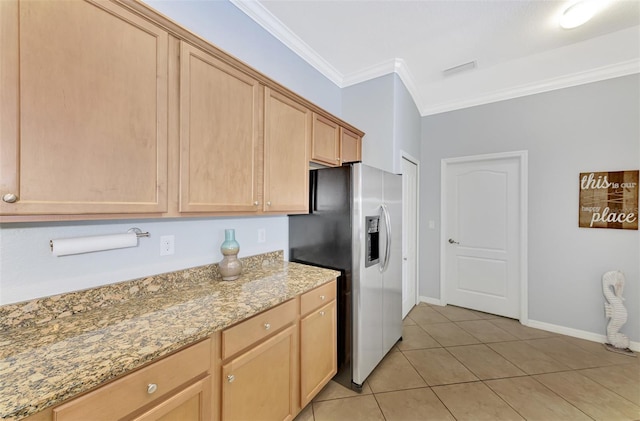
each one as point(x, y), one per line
point(231, 378)
point(322, 313)
point(268, 203)
point(267, 326)
point(151, 388)
point(256, 203)
point(10, 198)
point(452, 241)
point(322, 297)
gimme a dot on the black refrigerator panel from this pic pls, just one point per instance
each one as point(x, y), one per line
point(323, 237)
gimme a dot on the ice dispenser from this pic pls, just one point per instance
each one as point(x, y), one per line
point(372, 226)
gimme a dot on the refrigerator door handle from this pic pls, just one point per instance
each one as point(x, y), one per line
point(387, 248)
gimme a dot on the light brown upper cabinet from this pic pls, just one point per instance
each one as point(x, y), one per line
point(220, 135)
point(325, 141)
point(83, 110)
point(350, 146)
point(287, 134)
point(110, 110)
point(333, 145)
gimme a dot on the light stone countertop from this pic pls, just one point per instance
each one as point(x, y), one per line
point(54, 348)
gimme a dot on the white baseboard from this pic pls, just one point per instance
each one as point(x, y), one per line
point(576, 333)
point(429, 300)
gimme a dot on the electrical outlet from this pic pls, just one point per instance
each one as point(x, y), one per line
point(262, 235)
point(167, 245)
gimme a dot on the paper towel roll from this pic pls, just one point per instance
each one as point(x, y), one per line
point(65, 246)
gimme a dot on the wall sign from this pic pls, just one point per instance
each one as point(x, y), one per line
point(609, 200)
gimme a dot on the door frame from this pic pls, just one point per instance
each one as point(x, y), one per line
point(522, 157)
point(416, 162)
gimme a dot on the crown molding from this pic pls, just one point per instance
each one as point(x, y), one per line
point(397, 66)
point(579, 78)
point(263, 17)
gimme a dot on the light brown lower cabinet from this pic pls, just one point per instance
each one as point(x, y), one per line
point(177, 387)
point(192, 403)
point(318, 360)
point(260, 384)
point(267, 368)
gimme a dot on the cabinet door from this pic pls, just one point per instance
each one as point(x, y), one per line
point(191, 404)
point(325, 141)
point(220, 135)
point(350, 145)
point(318, 360)
point(261, 383)
point(286, 156)
point(83, 109)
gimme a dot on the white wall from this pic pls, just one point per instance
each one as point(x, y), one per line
point(592, 127)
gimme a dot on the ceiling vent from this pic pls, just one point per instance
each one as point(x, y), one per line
point(459, 68)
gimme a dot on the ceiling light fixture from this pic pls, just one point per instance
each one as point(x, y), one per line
point(578, 13)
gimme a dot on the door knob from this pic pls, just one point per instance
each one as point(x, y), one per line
point(452, 241)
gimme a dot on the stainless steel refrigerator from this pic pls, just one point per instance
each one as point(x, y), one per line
point(354, 225)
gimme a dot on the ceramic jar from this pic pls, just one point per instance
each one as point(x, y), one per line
point(230, 267)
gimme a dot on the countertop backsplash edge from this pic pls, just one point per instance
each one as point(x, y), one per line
point(45, 309)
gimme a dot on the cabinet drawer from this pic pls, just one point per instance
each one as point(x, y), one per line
point(128, 394)
point(317, 297)
point(258, 327)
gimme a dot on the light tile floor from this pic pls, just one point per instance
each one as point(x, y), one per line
point(459, 364)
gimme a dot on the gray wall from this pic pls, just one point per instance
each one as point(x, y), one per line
point(593, 127)
point(407, 125)
point(369, 106)
point(27, 268)
point(384, 109)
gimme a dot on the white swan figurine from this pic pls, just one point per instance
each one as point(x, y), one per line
point(612, 286)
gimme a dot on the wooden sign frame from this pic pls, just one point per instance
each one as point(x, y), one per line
point(609, 200)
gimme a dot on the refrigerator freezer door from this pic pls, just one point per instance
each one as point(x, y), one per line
point(367, 280)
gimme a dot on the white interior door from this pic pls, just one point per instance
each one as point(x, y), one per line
point(409, 235)
point(482, 228)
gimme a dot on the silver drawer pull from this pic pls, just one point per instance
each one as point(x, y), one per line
point(322, 297)
point(322, 313)
point(151, 388)
point(267, 326)
point(231, 378)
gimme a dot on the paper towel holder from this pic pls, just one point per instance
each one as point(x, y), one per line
point(135, 230)
point(139, 232)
